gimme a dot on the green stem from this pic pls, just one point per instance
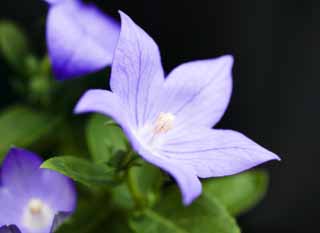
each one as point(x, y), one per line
point(133, 186)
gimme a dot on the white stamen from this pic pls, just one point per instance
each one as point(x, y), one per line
point(37, 215)
point(163, 123)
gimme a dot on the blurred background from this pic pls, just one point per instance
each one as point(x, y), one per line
point(276, 83)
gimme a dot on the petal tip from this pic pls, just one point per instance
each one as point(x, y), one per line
point(271, 156)
point(79, 108)
point(13, 150)
point(124, 18)
point(82, 105)
point(18, 158)
point(16, 151)
point(188, 198)
point(276, 157)
point(229, 59)
point(190, 192)
point(52, 2)
point(88, 99)
point(122, 14)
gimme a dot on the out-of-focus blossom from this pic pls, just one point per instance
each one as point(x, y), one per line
point(168, 120)
point(80, 38)
point(31, 197)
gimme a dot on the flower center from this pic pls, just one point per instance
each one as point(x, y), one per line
point(152, 134)
point(37, 215)
point(35, 207)
point(163, 123)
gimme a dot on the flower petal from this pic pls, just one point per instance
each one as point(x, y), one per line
point(214, 153)
point(58, 220)
point(56, 190)
point(9, 229)
point(183, 174)
point(103, 102)
point(198, 92)
point(10, 207)
point(54, 1)
point(80, 38)
point(20, 170)
point(187, 181)
point(137, 73)
point(19, 173)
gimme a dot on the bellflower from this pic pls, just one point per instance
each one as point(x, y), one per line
point(31, 197)
point(168, 120)
point(80, 38)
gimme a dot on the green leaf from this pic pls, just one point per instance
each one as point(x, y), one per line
point(104, 138)
point(81, 170)
point(21, 127)
point(205, 215)
point(13, 45)
point(240, 192)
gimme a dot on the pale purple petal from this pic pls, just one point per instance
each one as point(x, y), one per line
point(198, 92)
point(137, 73)
point(103, 102)
point(80, 38)
point(186, 179)
point(183, 174)
point(214, 153)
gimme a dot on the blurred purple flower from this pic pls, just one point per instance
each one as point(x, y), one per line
point(80, 38)
point(30, 197)
point(168, 121)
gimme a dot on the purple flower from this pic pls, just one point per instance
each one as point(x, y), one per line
point(80, 38)
point(31, 197)
point(168, 120)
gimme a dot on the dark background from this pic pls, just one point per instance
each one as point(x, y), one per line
point(276, 90)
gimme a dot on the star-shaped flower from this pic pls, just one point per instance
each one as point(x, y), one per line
point(80, 38)
point(31, 197)
point(168, 120)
